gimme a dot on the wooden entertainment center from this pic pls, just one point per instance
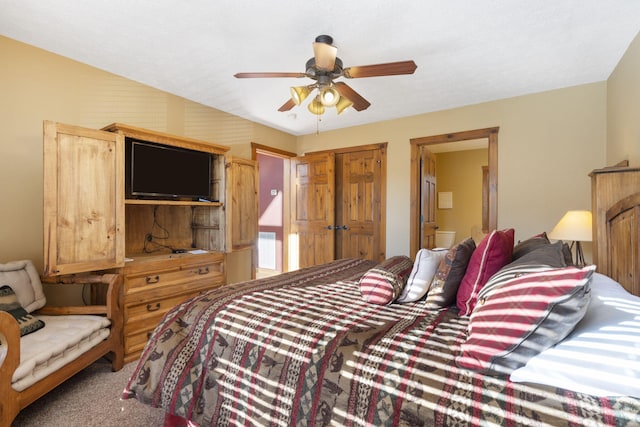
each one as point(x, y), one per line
point(166, 250)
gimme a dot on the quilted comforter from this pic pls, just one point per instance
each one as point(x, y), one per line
point(304, 348)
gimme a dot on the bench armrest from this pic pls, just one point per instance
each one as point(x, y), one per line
point(111, 307)
point(10, 350)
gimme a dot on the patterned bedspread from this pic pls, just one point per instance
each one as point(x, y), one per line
point(304, 348)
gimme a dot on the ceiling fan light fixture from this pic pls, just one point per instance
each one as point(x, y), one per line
point(324, 67)
point(343, 104)
point(324, 52)
point(299, 93)
point(329, 96)
point(316, 106)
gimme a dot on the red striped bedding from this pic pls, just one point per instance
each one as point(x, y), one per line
point(304, 348)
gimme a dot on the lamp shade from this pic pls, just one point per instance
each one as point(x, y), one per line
point(329, 96)
point(325, 53)
point(316, 106)
point(574, 225)
point(299, 93)
point(343, 104)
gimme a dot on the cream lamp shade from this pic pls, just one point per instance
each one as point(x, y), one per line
point(324, 53)
point(574, 226)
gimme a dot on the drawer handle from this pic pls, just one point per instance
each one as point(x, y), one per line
point(154, 307)
point(152, 279)
point(149, 335)
point(204, 270)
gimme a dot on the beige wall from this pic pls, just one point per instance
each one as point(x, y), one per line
point(623, 108)
point(460, 172)
point(547, 144)
point(36, 85)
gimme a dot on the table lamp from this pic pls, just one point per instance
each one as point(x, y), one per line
point(574, 226)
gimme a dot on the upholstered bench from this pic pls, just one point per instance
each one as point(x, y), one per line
point(40, 346)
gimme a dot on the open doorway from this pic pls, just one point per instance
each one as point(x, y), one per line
point(273, 219)
point(461, 192)
point(490, 181)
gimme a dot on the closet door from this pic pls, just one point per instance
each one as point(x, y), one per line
point(312, 209)
point(338, 205)
point(83, 199)
point(360, 204)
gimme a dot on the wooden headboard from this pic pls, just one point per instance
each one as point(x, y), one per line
point(623, 237)
point(610, 188)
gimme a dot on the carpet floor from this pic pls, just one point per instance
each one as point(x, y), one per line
point(91, 398)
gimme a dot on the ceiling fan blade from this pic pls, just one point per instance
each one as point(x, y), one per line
point(359, 103)
point(262, 75)
point(287, 105)
point(388, 69)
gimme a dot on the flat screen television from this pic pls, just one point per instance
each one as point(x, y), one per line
point(163, 172)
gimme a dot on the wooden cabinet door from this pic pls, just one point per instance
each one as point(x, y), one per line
point(312, 209)
point(242, 219)
point(83, 199)
point(242, 201)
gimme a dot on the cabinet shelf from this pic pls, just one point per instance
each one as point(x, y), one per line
point(170, 202)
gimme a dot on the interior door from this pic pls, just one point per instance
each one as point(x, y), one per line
point(312, 209)
point(359, 205)
point(428, 224)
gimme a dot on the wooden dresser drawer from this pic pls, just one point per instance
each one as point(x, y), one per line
point(134, 344)
point(152, 308)
point(141, 319)
point(143, 280)
point(154, 286)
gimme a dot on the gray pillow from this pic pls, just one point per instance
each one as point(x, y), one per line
point(531, 244)
point(444, 286)
point(551, 254)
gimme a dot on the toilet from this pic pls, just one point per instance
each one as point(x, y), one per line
point(445, 239)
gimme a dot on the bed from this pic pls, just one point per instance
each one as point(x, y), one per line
point(359, 343)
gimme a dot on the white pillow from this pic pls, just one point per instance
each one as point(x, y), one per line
point(601, 357)
point(424, 268)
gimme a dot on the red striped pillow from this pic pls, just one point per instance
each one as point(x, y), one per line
point(519, 315)
point(493, 253)
point(383, 283)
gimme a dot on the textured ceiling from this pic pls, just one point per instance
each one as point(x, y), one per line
point(466, 51)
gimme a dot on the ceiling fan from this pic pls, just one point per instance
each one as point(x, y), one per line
point(325, 67)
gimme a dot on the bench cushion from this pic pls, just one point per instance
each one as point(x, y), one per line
point(63, 339)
